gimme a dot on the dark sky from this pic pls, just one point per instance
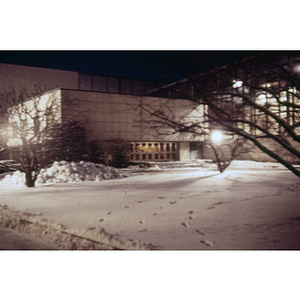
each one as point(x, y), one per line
point(150, 65)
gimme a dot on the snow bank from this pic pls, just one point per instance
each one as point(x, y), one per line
point(63, 171)
point(65, 238)
point(248, 164)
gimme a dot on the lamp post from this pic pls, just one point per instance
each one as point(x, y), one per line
point(216, 138)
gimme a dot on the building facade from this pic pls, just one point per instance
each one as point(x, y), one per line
point(257, 97)
point(110, 108)
point(258, 94)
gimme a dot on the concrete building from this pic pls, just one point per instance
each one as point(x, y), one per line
point(110, 108)
point(115, 109)
point(257, 96)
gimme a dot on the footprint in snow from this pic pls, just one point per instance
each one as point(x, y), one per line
point(200, 232)
point(185, 224)
point(102, 220)
point(218, 203)
point(142, 222)
point(127, 206)
point(207, 242)
point(172, 202)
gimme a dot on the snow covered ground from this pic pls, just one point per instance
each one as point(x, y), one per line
point(253, 206)
point(250, 206)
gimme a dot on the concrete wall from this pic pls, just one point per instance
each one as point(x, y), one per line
point(116, 116)
point(184, 151)
point(30, 110)
point(106, 116)
point(13, 76)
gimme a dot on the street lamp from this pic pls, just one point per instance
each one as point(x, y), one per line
point(217, 136)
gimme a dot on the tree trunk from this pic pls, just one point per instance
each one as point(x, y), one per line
point(29, 180)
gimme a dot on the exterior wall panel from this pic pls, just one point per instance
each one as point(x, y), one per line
point(118, 115)
point(14, 76)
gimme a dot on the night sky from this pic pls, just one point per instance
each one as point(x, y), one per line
point(148, 65)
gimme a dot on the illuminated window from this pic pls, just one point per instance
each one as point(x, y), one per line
point(144, 149)
point(261, 99)
point(153, 151)
point(237, 84)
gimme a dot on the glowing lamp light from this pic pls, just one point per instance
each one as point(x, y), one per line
point(297, 68)
point(237, 83)
point(217, 136)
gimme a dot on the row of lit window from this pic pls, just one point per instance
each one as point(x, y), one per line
point(153, 147)
point(153, 151)
point(156, 156)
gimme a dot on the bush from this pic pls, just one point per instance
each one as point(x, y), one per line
point(120, 154)
point(70, 143)
point(96, 154)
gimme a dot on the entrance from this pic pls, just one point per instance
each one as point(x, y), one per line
point(196, 149)
point(153, 151)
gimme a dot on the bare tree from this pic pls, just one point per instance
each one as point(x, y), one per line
point(257, 99)
point(27, 122)
point(226, 152)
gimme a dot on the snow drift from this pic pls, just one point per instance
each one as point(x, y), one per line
point(66, 238)
point(63, 171)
